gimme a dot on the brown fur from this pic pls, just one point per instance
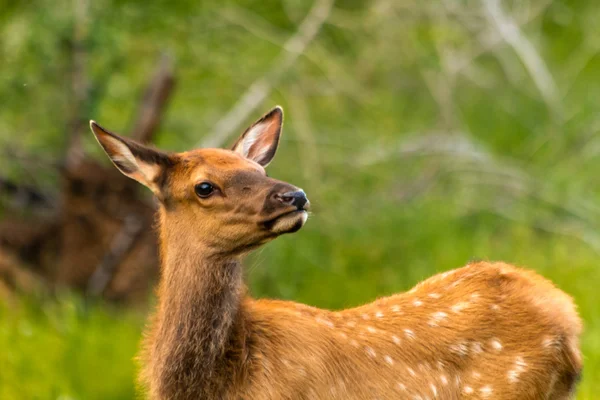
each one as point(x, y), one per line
point(488, 330)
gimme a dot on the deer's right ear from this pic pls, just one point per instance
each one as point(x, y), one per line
point(134, 160)
point(259, 142)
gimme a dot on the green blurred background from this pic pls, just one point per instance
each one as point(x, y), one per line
point(425, 133)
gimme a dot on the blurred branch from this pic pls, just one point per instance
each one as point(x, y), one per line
point(463, 61)
point(435, 143)
point(29, 192)
point(319, 56)
point(79, 84)
point(24, 196)
point(578, 232)
point(121, 244)
point(472, 165)
point(579, 61)
point(427, 179)
point(441, 88)
point(154, 101)
point(533, 62)
point(17, 278)
point(37, 161)
point(260, 89)
point(309, 151)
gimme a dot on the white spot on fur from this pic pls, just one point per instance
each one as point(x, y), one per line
point(486, 391)
point(459, 348)
point(475, 296)
point(401, 386)
point(396, 339)
point(396, 308)
point(354, 343)
point(468, 389)
point(411, 371)
point(476, 348)
point(343, 335)
point(409, 334)
point(436, 318)
point(417, 303)
point(324, 322)
point(371, 329)
point(476, 375)
point(444, 379)
point(351, 324)
point(388, 360)
point(370, 352)
point(458, 307)
point(519, 368)
point(496, 344)
point(434, 295)
point(495, 307)
point(365, 316)
point(378, 314)
point(433, 389)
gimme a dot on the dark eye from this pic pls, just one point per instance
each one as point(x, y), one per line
point(204, 189)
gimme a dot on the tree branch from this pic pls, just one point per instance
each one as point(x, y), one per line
point(154, 101)
point(260, 89)
point(121, 244)
point(79, 85)
point(533, 62)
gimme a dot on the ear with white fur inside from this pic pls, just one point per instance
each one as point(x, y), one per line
point(134, 160)
point(259, 142)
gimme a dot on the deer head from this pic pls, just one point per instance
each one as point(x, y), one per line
point(222, 197)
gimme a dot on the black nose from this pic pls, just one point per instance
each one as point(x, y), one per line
point(297, 199)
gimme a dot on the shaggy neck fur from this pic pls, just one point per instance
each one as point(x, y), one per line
point(196, 347)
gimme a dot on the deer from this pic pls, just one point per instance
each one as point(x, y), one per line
point(487, 330)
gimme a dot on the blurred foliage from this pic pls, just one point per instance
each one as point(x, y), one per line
point(423, 137)
point(64, 349)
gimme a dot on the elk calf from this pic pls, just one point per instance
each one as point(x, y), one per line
point(485, 331)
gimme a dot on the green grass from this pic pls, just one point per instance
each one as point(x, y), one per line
point(61, 350)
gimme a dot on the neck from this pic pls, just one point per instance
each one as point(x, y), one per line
point(196, 345)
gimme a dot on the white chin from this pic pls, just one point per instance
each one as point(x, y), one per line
point(289, 223)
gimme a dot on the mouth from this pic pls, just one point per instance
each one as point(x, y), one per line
point(287, 222)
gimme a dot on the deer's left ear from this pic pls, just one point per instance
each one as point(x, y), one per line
point(259, 142)
point(144, 164)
